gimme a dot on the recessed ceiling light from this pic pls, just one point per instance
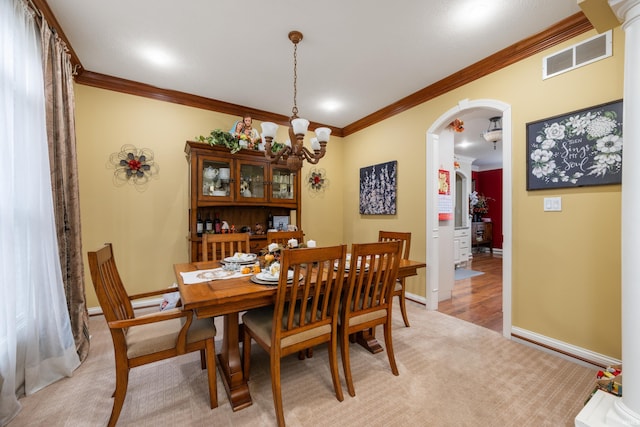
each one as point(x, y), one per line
point(474, 13)
point(157, 56)
point(330, 105)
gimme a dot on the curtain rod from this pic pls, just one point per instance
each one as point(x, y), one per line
point(44, 12)
point(33, 7)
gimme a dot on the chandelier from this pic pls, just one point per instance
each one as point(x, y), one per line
point(494, 133)
point(294, 151)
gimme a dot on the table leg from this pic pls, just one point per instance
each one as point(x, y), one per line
point(230, 365)
point(367, 339)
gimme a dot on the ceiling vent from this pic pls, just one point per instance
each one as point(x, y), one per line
point(583, 53)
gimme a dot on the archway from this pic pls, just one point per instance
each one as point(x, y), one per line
point(439, 154)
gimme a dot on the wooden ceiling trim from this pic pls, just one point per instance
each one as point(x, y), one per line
point(560, 32)
point(103, 81)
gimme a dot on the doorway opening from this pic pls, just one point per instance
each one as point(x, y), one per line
point(440, 234)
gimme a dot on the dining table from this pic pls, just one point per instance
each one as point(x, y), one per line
point(232, 295)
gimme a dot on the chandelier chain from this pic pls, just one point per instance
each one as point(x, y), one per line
point(294, 110)
point(293, 151)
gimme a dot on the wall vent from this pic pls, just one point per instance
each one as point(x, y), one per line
point(583, 53)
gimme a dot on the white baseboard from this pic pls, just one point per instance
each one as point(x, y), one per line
point(561, 348)
point(416, 298)
point(94, 311)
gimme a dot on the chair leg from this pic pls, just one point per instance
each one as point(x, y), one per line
point(307, 353)
point(211, 372)
point(403, 306)
point(276, 388)
point(203, 359)
point(389, 344)
point(346, 363)
point(333, 364)
point(122, 381)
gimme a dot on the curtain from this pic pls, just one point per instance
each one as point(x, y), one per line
point(60, 107)
point(36, 343)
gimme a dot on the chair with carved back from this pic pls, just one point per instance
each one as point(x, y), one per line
point(399, 291)
point(367, 297)
point(139, 340)
point(283, 237)
point(220, 246)
point(305, 314)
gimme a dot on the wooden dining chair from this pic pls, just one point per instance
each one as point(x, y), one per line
point(139, 340)
point(367, 297)
point(399, 291)
point(220, 246)
point(305, 314)
point(282, 237)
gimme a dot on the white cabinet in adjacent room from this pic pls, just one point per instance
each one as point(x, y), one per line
point(461, 245)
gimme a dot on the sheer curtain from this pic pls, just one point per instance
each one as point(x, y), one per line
point(36, 343)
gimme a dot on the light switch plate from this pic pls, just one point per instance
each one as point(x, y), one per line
point(552, 204)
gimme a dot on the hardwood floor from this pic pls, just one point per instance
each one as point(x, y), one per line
point(478, 299)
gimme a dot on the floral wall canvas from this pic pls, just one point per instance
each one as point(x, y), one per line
point(576, 149)
point(378, 189)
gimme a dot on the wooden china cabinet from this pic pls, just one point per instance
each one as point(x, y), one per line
point(240, 188)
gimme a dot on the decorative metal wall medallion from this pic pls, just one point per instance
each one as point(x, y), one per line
point(134, 166)
point(317, 181)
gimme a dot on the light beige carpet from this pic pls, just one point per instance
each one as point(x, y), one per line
point(452, 373)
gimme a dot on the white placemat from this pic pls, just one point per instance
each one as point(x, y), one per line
point(200, 276)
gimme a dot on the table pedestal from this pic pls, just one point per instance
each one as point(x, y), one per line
point(230, 364)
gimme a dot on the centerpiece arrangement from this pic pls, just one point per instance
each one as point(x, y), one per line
point(235, 142)
point(271, 254)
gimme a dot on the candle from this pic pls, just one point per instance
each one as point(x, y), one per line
point(293, 243)
point(311, 243)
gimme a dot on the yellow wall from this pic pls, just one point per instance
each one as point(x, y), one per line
point(566, 265)
point(399, 138)
point(149, 228)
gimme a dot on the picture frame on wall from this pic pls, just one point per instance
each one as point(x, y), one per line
point(378, 189)
point(576, 149)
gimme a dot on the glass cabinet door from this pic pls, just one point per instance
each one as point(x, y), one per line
point(251, 182)
point(283, 187)
point(216, 178)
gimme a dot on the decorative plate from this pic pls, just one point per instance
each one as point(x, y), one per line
point(347, 266)
point(268, 277)
point(272, 280)
point(214, 274)
point(241, 258)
